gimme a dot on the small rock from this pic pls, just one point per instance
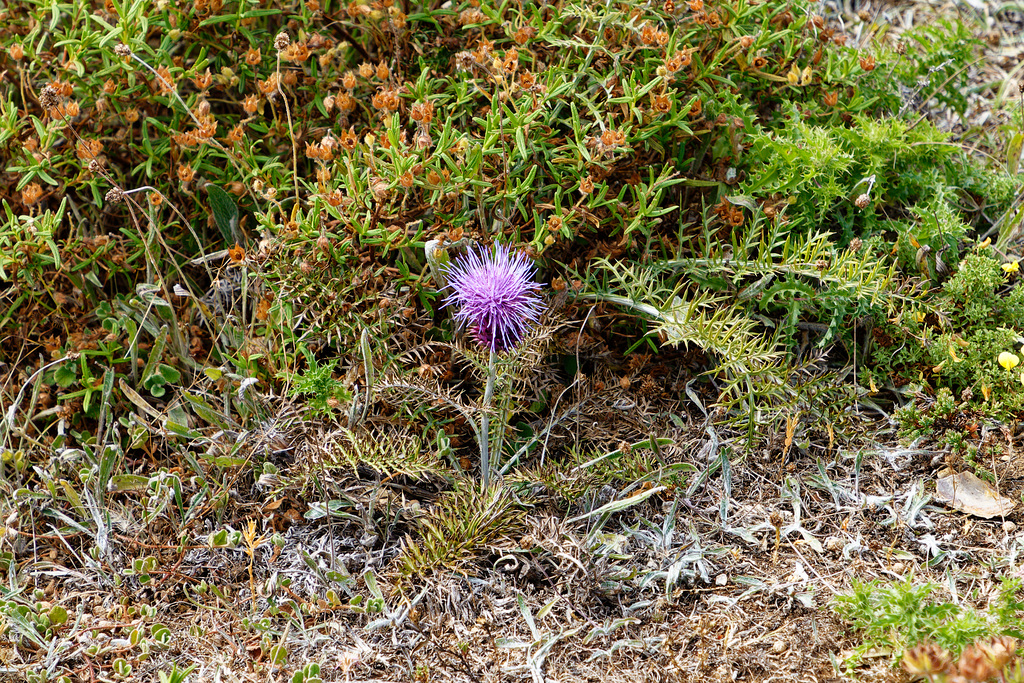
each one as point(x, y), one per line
point(721, 580)
point(779, 646)
point(1009, 527)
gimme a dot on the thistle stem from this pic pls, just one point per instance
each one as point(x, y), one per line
point(485, 420)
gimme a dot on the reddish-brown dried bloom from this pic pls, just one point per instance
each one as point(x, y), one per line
point(471, 16)
point(204, 80)
point(831, 99)
point(382, 71)
point(867, 62)
point(253, 56)
point(661, 104)
point(268, 86)
point(386, 100)
point(345, 103)
point(649, 35)
point(524, 34)
point(348, 80)
point(31, 193)
point(587, 185)
point(16, 51)
point(334, 198)
point(511, 61)
point(295, 53)
point(250, 104)
point(63, 88)
point(349, 139)
point(185, 173)
point(422, 112)
point(88, 149)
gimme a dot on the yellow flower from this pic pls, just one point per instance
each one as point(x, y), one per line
point(1011, 267)
point(1008, 360)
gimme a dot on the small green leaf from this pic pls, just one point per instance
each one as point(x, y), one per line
point(225, 212)
point(1013, 150)
point(57, 615)
point(64, 376)
point(279, 655)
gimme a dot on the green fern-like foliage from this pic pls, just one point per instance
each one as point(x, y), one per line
point(686, 317)
point(458, 529)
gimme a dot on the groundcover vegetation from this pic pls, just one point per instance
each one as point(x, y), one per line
point(256, 427)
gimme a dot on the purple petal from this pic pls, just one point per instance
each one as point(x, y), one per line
point(494, 295)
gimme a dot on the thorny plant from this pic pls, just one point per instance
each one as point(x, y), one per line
point(213, 231)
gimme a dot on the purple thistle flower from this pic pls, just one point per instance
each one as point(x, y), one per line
point(494, 295)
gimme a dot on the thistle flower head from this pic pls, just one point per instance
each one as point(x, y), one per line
point(494, 294)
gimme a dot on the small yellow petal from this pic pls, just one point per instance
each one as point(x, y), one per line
point(1011, 267)
point(1008, 360)
point(987, 242)
point(986, 391)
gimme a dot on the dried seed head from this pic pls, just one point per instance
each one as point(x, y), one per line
point(115, 195)
point(49, 97)
point(862, 201)
point(122, 50)
point(281, 41)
